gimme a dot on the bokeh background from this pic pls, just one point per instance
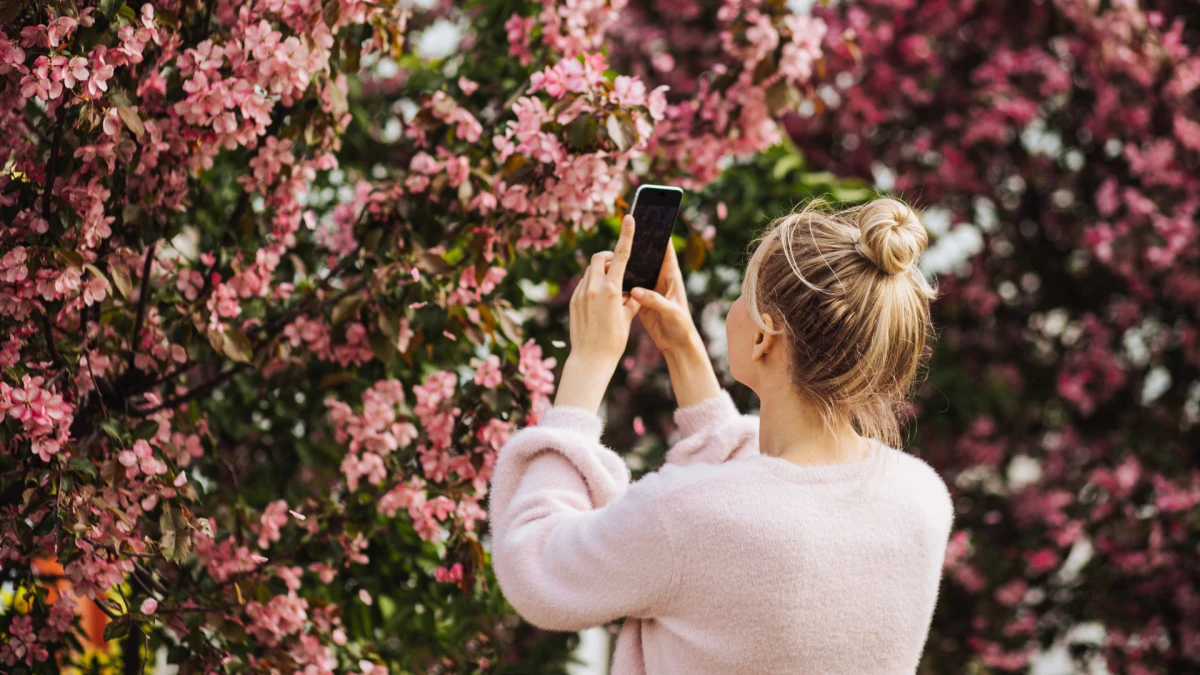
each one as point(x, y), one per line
point(338, 434)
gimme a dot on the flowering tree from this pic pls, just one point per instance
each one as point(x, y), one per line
point(263, 285)
point(1060, 141)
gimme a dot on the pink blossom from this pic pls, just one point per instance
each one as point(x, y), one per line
point(537, 371)
point(283, 616)
point(1041, 561)
point(487, 372)
point(273, 518)
point(23, 647)
point(452, 575)
point(518, 37)
point(457, 170)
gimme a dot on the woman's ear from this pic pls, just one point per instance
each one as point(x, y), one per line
point(763, 340)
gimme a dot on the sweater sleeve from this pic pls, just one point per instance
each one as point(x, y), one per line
point(574, 544)
point(713, 431)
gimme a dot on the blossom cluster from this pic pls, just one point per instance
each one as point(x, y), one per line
point(1064, 141)
point(245, 239)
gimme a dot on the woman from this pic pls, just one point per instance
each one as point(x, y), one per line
point(798, 541)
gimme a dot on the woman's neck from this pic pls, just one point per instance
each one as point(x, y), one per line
point(790, 428)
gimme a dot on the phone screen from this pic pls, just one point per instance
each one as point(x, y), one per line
point(654, 212)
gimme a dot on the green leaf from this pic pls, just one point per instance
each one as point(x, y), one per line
point(389, 324)
point(787, 164)
point(351, 55)
point(781, 96)
point(183, 536)
point(112, 472)
point(695, 251)
point(237, 346)
point(511, 328)
point(217, 339)
point(82, 466)
point(331, 12)
point(68, 257)
point(621, 131)
point(146, 430)
point(117, 628)
point(167, 18)
point(113, 430)
point(454, 255)
point(9, 9)
point(131, 119)
point(383, 346)
point(582, 132)
point(347, 307)
point(109, 8)
point(433, 264)
point(121, 280)
point(166, 523)
point(465, 191)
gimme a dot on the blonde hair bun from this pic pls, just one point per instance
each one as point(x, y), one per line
point(856, 337)
point(892, 236)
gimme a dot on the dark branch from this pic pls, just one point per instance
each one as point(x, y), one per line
point(194, 393)
point(141, 308)
point(52, 167)
point(48, 331)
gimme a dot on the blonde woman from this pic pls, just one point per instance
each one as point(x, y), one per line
point(798, 541)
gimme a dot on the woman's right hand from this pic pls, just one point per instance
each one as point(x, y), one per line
point(665, 313)
point(668, 320)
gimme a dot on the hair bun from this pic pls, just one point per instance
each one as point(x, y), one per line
point(892, 235)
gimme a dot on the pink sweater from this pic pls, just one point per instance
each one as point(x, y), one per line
point(724, 560)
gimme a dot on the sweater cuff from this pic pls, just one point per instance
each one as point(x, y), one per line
point(709, 412)
point(571, 418)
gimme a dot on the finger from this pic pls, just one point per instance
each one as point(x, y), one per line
point(650, 299)
point(669, 270)
point(624, 248)
point(671, 262)
point(597, 269)
point(631, 308)
point(581, 286)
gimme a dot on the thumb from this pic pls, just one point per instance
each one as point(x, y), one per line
point(631, 307)
point(649, 299)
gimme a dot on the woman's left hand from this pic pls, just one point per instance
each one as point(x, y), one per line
point(600, 319)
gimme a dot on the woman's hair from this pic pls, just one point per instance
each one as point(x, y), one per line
point(845, 287)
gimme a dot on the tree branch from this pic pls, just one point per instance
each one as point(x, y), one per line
point(48, 330)
point(195, 392)
point(52, 167)
point(269, 333)
point(141, 307)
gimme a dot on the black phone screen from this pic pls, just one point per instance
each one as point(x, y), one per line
point(654, 214)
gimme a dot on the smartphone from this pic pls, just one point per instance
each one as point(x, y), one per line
point(654, 211)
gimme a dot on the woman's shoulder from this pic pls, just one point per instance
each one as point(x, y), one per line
point(919, 481)
point(669, 479)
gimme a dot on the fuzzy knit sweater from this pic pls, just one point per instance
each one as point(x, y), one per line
point(724, 560)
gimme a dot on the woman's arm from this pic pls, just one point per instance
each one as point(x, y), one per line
point(692, 375)
point(667, 318)
point(574, 544)
point(600, 321)
point(711, 429)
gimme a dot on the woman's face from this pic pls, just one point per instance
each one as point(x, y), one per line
point(740, 330)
